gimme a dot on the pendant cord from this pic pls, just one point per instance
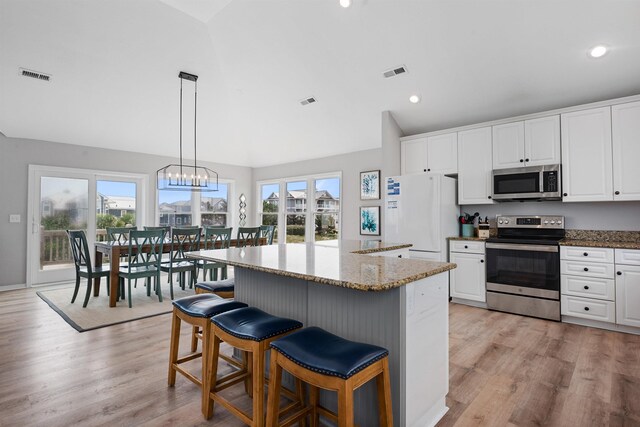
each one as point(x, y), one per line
point(195, 122)
point(180, 127)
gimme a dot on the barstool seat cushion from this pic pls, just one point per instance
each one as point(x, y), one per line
point(320, 351)
point(226, 285)
point(206, 305)
point(254, 324)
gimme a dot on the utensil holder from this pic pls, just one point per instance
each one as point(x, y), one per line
point(467, 230)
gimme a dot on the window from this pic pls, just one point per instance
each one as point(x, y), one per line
point(296, 202)
point(268, 206)
point(181, 208)
point(286, 204)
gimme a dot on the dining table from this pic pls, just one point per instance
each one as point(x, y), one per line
point(114, 250)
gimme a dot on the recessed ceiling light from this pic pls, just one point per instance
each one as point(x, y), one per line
point(414, 99)
point(345, 3)
point(597, 51)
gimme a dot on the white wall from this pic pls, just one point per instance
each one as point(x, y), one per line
point(623, 216)
point(17, 154)
point(350, 165)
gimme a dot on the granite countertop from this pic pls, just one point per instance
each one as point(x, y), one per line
point(344, 263)
point(466, 238)
point(602, 239)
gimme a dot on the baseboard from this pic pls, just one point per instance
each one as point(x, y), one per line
point(478, 304)
point(13, 287)
point(601, 325)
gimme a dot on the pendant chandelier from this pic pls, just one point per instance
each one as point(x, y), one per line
point(184, 177)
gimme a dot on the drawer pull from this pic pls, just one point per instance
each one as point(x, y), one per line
point(466, 247)
point(586, 309)
point(586, 254)
point(586, 287)
point(482, 260)
point(619, 273)
point(586, 269)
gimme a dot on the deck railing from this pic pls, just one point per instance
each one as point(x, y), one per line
point(55, 249)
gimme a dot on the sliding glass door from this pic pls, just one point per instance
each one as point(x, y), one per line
point(70, 199)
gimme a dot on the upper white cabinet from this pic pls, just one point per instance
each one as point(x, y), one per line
point(587, 155)
point(474, 166)
point(527, 143)
point(626, 151)
point(436, 154)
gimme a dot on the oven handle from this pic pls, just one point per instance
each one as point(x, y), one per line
point(518, 247)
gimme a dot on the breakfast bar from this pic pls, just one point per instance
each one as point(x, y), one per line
point(362, 291)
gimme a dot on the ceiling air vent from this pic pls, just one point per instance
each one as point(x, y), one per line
point(35, 74)
point(307, 101)
point(395, 71)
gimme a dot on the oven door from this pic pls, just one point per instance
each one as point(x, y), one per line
point(524, 269)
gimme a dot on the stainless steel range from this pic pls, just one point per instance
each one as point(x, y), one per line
point(523, 266)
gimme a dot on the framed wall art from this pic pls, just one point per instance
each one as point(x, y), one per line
point(370, 220)
point(370, 185)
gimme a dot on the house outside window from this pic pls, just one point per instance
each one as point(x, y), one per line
point(183, 208)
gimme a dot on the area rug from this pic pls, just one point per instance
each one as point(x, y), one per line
point(98, 314)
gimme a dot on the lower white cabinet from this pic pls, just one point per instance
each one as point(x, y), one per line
point(467, 281)
point(587, 308)
point(628, 287)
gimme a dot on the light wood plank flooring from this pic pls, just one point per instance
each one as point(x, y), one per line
point(505, 370)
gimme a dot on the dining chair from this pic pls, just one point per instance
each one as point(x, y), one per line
point(144, 258)
point(267, 232)
point(183, 240)
point(83, 265)
point(215, 238)
point(247, 236)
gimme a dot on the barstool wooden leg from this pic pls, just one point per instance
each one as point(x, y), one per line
point(247, 360)
point(314, 397)
point(194, 339)
point(211, 376)
point(383, 381)
point(345, 404)
point(173, 348)
point(275, 382)
point(258, 384)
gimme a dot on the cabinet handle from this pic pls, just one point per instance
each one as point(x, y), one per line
point(526, 160)
point(619, 273)
point(565, 194)
point(488, 197)
point(586, 287)
point(521, 160)
point(616, 193)
point(424, 170)
point(466, 247)
point(399, 256)
point(586, 309)
point(482, 260)
point(586, 269)
point(586, 254)
point(428, 170)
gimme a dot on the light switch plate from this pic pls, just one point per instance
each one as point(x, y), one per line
point(14, 218)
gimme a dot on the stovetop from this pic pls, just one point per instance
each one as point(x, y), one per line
point(531, 230)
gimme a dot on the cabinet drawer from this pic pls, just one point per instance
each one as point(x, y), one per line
point(586, 254)
point(587, 269)
point(469, 246)
point(628, 256)
point(604, 311)
point(588, 287)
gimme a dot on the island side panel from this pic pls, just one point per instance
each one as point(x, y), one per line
point(370, 317)
point(425, 338)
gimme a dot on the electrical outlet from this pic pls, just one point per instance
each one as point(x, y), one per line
point(14, 218)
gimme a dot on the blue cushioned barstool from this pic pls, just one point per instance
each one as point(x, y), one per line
point(222, 288)
point(326, 361)
point(250, 330)
point(196, 310)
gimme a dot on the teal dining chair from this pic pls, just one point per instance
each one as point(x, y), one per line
point(144, 259)
point(82, 263)
point(267, 232)
point(215, 238)
point(183, 240)
point(247, 236)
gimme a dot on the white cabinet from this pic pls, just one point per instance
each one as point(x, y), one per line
point(628, 287)
point(587, 286)
point(626, 151)
point(587, 155)
point(527, 143)
point(436, 154)
point(474, 166)
point(467, 281)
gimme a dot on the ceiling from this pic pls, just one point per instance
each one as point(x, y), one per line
point(115, 65)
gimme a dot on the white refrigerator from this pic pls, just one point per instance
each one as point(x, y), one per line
point(421, 209)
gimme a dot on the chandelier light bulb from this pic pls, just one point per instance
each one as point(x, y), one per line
point(345, 3)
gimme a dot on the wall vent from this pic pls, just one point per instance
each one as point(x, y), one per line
point(307, 101)
point(395, 71)
point(35, 74)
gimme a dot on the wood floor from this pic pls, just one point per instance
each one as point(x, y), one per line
point(505, 370)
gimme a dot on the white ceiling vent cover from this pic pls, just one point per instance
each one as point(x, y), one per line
point(307, 101)
point(35, 74)
point(395, 71)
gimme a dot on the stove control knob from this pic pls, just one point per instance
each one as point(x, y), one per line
point(506, 221)
point(499, 221)
point(559, 222)
point(546, 221)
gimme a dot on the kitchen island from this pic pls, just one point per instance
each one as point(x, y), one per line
point(350, 288)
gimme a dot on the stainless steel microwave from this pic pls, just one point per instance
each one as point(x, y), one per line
point(528, 183)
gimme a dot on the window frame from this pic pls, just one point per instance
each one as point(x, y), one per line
point(311, 209)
